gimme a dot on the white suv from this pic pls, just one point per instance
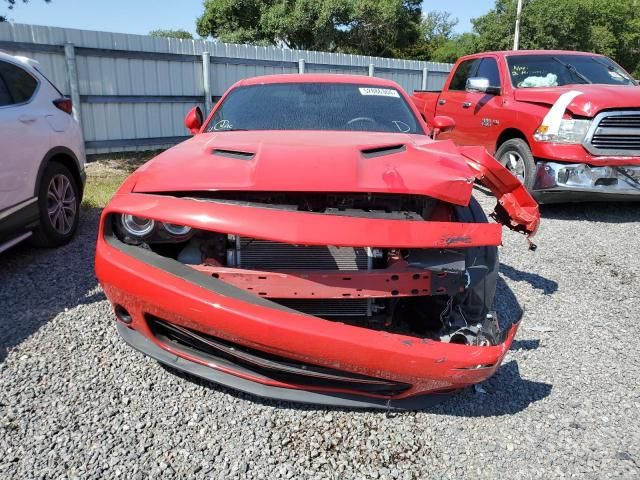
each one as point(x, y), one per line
point(41, 158)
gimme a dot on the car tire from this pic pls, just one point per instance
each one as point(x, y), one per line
point(59, 207)
point(477, 300)
point(516, 156)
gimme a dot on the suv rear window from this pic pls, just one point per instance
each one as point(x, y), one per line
point(21, 84)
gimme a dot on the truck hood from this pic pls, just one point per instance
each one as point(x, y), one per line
point(311, 161)
point(594, 98)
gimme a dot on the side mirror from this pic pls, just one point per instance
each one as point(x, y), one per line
point(194, 119)
point(442, 124)
point(481, 85)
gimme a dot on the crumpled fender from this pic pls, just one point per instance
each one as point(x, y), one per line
point(516, 208)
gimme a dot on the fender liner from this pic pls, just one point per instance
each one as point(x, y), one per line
point(516, 208)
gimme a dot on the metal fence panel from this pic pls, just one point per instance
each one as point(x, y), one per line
point(135, 89)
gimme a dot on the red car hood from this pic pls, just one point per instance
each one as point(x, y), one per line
point(311, 161)
point(594, 98)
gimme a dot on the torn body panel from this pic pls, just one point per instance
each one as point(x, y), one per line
point(516, 208)
point(306, 228)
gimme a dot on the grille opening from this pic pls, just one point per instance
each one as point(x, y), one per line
point(616, 133)
point(265, 365)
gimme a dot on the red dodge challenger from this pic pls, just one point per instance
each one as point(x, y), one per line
point(313, 242)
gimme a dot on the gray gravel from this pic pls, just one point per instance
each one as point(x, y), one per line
point(75, 402)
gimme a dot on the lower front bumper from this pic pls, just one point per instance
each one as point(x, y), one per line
point(562, 182)
point(149, 348)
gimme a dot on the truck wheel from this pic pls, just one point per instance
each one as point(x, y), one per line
point(59, 205)
point(516, 156)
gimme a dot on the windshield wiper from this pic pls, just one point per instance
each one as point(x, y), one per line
point(573, 70)
point(613, 68)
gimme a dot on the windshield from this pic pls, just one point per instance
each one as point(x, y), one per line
point(528, 71)
point(315, 106)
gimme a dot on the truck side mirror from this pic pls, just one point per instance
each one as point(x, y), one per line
point(481, 85)
point(193, 120)
point(442, 124)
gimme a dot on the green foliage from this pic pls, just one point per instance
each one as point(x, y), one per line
point(11, 4)
point(601, 26)
point(368, 27)
point(455, 48)
point(182, 34)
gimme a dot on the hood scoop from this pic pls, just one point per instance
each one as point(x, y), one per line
point(235, 154)
point(382, 151)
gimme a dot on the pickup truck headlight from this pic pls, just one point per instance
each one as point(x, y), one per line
point(571, 131)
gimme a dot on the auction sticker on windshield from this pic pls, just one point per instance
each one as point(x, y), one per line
point(379, 92)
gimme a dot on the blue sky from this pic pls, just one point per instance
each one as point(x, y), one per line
point(141, 16)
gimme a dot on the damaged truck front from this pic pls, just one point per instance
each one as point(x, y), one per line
point(321, 248)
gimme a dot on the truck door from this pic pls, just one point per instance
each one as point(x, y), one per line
point(482, 112)
point(452, 99)
point(475, 113)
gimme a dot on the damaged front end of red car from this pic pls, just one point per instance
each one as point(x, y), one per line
point(360, 299)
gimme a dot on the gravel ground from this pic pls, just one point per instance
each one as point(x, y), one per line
point(75, 402)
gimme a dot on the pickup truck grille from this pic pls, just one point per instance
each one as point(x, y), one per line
point(615, 133)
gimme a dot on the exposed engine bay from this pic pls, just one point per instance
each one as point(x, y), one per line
point(426, 293)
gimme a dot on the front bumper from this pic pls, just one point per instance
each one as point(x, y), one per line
point(582, 182)
point(144, 284)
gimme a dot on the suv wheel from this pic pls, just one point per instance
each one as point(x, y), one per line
point(59, 205)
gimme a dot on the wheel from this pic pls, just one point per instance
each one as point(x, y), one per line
point(482, 264)
point(516, 155)
point(59, 206)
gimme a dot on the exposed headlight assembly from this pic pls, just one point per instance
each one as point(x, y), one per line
point(138, 227)
point(137, 230)
point(570, 131)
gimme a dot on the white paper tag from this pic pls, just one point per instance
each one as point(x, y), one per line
point(379, 92)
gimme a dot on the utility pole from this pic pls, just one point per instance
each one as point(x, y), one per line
point(516, 36)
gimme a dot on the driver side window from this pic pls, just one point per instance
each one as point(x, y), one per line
point(489, 69)
point(464, 71)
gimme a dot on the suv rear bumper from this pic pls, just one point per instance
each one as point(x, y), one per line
point(561, 182)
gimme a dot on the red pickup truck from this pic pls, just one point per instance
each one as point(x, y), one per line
point(567, 124)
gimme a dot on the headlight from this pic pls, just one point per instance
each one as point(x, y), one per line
point(136, 230)
point(570, 131)
point(137, 226)
point(177, 230)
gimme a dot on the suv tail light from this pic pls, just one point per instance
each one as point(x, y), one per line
point(64, 104)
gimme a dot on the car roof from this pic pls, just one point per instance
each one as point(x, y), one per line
point(507, 53)
point(318, 78)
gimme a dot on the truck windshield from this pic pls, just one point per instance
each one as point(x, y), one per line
point(529, 71)
point(315, 106)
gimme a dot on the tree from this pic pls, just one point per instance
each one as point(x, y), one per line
point(12, 4)
point(601, 26)
point(455, 48)
point(368, 27)
point(182, 34)
point(436, 29)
